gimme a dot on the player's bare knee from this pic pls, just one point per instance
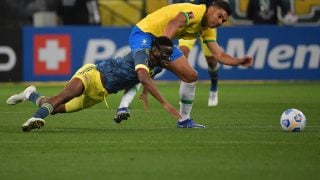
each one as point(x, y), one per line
point(193, 77)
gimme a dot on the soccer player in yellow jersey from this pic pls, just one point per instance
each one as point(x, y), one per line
point(187, 45)
point(184, 21)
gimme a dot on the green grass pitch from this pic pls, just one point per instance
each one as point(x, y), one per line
point(243, 138)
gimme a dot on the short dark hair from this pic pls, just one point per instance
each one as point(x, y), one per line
point(224, 5)
point(162, 41)
point(164, 46)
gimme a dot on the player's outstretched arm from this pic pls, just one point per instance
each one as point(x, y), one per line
point(226, 59)
point(149, 86)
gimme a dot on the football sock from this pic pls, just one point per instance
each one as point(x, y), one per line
point(128, 96)
point(35, 98)
point(213, 73)
point(43, 111)
point(187, 94)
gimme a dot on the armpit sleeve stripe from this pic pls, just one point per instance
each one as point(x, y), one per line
point(187, 17)
point(206, 41)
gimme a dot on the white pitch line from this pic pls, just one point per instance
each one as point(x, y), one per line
point(158, 142)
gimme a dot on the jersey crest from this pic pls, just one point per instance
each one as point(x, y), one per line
point(190, 15)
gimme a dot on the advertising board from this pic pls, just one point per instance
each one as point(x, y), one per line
point(280, 53)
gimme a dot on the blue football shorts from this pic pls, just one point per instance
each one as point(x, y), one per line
point(141, 40)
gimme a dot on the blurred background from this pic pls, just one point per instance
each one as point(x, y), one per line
point(48, 40)
point(17, 13)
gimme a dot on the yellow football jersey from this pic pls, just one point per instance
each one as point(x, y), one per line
point(156, 22)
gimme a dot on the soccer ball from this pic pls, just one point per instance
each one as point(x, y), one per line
point(293, 120)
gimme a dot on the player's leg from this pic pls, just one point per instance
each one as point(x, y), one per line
point(189, 77)
point(31, 95)
point(213, 73)
point(74, 88)
point(38, 100)
point(185, 46)
point(123, 109)
point(41, 101)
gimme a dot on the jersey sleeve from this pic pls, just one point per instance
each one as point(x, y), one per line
point(141, 58)
point(194, 15)
point(209, 35)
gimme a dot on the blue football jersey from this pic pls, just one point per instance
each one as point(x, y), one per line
point(120, 73)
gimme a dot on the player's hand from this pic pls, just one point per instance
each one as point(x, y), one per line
point(144, 98)
point(246, 61)
point(172, 110)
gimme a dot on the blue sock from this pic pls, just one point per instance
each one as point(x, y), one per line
point(43, 111)
point(35, 98)
point(214, 80)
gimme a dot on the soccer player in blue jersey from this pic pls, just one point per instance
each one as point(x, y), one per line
point(93, 82)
